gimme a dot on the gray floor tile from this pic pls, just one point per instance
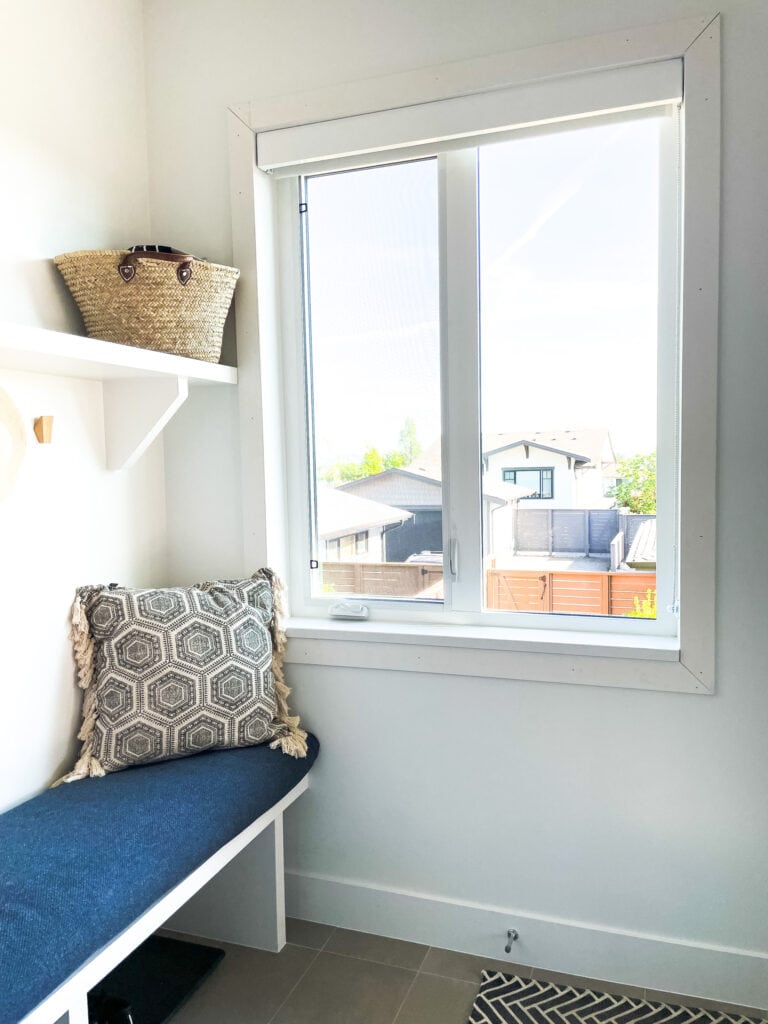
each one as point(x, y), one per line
point(381, 950)
point(247, 987)
point(434, 1000)
point(464, 967)
point(705, 1004)
point(308, 933)
point(576, 981)
point(341, 990)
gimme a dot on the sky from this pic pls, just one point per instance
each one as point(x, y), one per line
point(568, 227)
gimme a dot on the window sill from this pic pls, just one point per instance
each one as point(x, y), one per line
point(654, 663)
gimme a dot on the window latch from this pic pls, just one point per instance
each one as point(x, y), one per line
point(453, 558)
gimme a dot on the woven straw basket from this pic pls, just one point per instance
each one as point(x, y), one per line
point(169, 302)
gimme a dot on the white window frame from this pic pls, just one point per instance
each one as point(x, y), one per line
point(265, 320)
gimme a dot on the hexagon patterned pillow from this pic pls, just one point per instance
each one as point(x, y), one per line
point(169, 672)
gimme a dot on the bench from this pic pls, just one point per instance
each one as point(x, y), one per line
point(89, 870)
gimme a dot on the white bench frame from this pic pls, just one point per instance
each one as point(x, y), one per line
point(250, 912)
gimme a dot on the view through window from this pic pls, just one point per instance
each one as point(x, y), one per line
point(373, 285)
point(568, 229)
point(569, 269)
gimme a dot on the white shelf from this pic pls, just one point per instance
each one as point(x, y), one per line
point(39, 350)
point(142, 390)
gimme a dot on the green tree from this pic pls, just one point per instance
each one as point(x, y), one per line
point(372, 463)
point(394, 460)
point(637, 483)
point(409, 442)
point(342, 473)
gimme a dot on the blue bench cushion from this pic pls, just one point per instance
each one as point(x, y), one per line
point(80, 863)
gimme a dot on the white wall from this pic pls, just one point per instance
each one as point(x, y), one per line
point(68, 522)
point(73, 175)
point(73, 159)
point(204, 515)
point(630, 813)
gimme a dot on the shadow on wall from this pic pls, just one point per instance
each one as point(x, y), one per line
point(13, 444)
point(36, 295)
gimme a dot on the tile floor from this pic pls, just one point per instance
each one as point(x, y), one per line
point(332, 976)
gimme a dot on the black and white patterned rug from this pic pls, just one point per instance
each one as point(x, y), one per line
point(507, 999)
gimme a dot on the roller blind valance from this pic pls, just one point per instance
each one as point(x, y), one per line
point(468, 119)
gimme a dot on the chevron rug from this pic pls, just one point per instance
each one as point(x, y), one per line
point(506, 999)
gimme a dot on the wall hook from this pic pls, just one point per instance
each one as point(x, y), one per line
point(43, 428)
point(512, 936)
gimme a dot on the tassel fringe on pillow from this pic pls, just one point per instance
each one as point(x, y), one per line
point(292, 739)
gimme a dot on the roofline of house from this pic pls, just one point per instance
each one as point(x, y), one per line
point(542, 447)
point(396, 469)
point(497, 499)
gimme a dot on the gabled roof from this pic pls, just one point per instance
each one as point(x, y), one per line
point(499, 495)
point(528, 443)
point(392, 472)
point(399, 488)
point(584, 444)
point(429, 463)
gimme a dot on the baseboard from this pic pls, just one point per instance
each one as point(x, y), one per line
point(575, 947)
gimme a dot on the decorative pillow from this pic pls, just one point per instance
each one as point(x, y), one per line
point(169, 672)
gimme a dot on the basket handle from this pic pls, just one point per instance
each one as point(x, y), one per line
point(127, 267)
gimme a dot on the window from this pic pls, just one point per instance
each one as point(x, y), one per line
point(537, 481)
point(483, 151)
point(361, 543)
point(371, 287)
point(557, 277)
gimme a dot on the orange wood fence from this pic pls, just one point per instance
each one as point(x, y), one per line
point(524, 590)
point(585, 593)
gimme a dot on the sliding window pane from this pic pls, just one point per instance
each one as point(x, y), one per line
point(569, 266)
point(371, 279)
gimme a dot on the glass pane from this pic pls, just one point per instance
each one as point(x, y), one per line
point(528, 478)
point(569, 242)
point(374, 354)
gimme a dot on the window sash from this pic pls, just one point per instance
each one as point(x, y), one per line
point(460, 357)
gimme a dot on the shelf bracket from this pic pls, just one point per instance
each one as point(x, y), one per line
point(135, 412)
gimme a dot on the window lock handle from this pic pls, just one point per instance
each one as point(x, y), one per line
point(453, 558)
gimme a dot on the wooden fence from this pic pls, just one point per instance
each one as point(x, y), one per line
point(383, 579)
point(523, 590)
point(580, 593)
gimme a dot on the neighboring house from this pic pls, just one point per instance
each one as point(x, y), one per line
point(351, 528)
point(420, 495)
point(561, 468)
point(557, 469)
point(420, 491)
point(564, 468)
point(535, 470)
